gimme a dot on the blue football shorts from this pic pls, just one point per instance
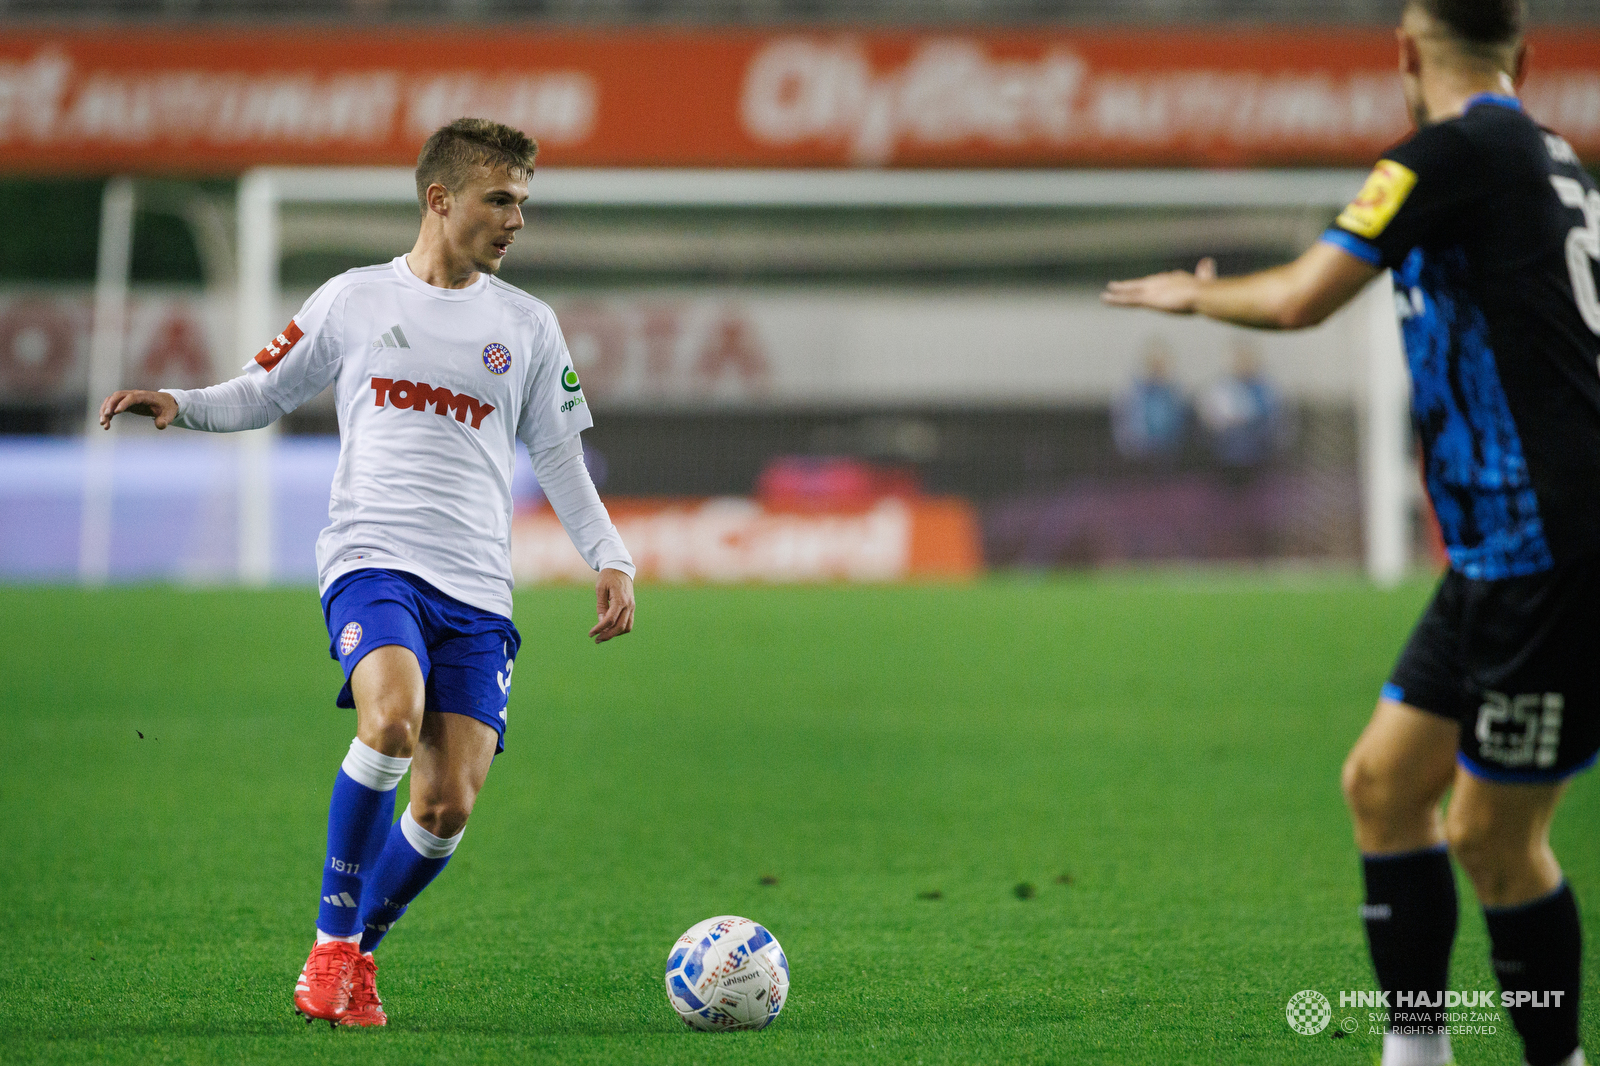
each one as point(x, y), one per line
point(466, 653)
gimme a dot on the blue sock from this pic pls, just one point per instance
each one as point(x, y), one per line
point(411, 858)
point(358, 822)
point(378, 834)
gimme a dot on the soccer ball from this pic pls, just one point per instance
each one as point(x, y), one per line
point(727, 973)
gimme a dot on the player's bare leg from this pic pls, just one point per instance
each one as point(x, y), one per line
point(1500, 832)
point(389, 692)
point(1394, 780)
point(451, 764)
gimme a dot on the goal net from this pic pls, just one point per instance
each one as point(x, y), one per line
point(884, 374)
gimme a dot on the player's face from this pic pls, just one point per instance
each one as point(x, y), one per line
point(485, 216)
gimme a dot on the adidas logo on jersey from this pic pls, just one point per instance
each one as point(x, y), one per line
point(417, 395)
point(341, 900)
point(392, 339)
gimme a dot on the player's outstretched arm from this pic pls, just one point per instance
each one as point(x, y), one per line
point(158, 405)
point(568, 487)
point(1292, 296)
point(614, 604)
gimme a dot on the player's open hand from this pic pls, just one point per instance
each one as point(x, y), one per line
point(1173, 291)
point(614, 605)
point(157, 405)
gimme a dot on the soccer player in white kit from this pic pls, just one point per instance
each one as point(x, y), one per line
point(439, 370)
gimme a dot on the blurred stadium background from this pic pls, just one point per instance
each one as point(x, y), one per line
point(828, 271)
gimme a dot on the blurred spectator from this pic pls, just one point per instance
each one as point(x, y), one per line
point(1243, 414)
point(1151, 419)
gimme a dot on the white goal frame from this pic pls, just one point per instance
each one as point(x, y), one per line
point(1387, 489)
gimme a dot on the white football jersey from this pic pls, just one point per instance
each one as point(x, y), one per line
point(434, 387)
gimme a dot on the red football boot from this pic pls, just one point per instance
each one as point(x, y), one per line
point(323, 990)
point(365, 1007)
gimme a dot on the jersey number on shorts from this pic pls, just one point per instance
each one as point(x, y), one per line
point(1583, 246)
point(505, 681)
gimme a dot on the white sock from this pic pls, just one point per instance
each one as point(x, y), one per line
point(323, 938)
point(1401, 1049)
point(426, 844)
point(369, 767)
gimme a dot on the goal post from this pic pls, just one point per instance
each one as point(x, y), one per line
point(1387, 492)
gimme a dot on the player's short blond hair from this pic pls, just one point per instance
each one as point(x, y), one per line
point(453, 152)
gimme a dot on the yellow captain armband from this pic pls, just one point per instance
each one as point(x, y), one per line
point(1386, 189)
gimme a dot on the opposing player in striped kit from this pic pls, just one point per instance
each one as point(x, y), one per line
point(1491, 227)
point(439, 371)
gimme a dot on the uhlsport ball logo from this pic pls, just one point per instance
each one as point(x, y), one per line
point(1308, 1012)
point(497, 357)
point(349, 637)
point(727, 973)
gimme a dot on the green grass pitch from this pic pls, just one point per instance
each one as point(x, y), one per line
point(1157, 755)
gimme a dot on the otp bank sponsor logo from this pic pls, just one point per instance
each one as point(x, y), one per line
point(273, 353)
point(417, 395)
point(349, 637)
point(497, 357)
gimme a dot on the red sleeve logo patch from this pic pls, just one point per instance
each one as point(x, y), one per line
point(273, 353)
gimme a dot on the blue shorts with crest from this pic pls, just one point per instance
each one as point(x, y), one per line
point(466, 653)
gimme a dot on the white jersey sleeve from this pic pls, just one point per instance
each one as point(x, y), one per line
point(304, 359)
point(555, 409)
point(232, 406)
point(554, 413)
point(294, 366)
point(566, 484)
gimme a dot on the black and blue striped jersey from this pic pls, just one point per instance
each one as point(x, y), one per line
point(1492, 229)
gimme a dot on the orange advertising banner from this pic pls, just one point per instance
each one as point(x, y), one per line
point(737, 540)
point(217, 101)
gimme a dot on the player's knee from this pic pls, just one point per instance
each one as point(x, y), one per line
point(443, 807)
point(1485, 853)
point(1367, 793)
point(442, 816)
point(390, 724)
point(1389, 812)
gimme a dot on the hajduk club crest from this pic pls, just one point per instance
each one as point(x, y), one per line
point(497, 357)
point(349, 637)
